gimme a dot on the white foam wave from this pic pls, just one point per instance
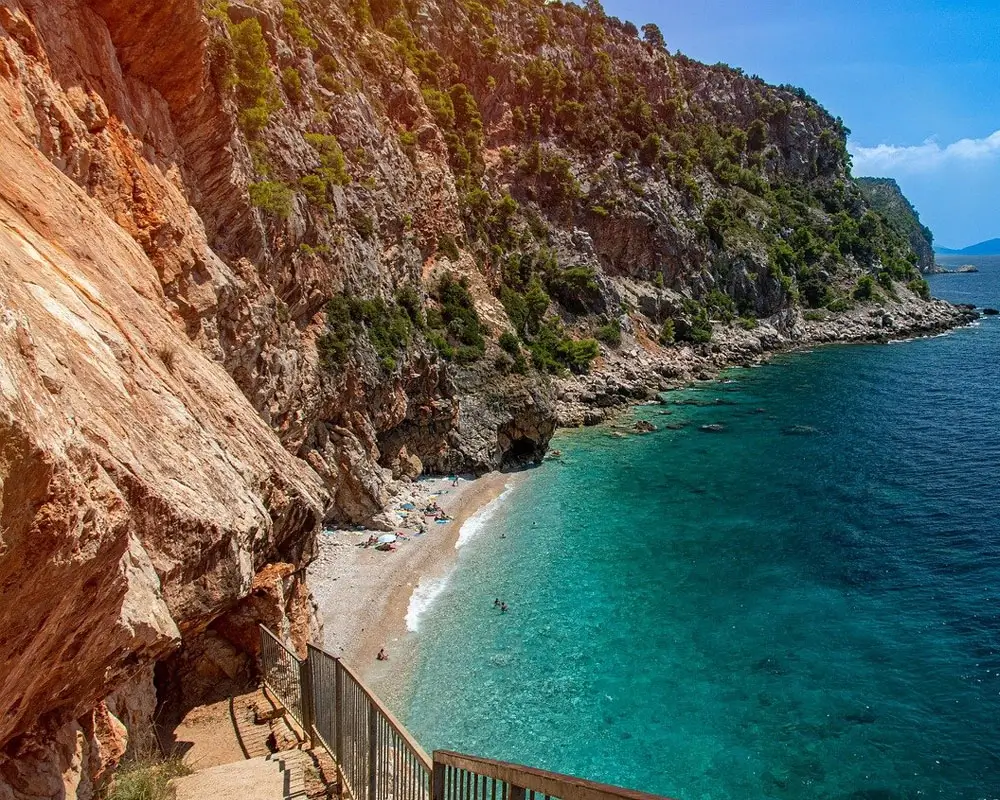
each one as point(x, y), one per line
point(475, 524)
point(430, 589)
point(423, 597)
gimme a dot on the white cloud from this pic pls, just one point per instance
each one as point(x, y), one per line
point(888, 159)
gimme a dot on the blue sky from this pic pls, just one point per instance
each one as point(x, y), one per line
point(917, 82)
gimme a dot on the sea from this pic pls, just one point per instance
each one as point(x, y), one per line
point(801, 600)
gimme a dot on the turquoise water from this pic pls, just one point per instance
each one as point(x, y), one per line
point(804, 605)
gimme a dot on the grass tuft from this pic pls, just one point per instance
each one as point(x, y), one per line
point(145, 779)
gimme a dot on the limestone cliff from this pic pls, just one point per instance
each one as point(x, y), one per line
point(888, 199)
point(261, 258)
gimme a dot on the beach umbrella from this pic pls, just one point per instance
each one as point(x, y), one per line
point(387, 538)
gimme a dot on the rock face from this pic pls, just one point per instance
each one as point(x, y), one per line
point(140, 491)
point(259, 260)
point(888, 199)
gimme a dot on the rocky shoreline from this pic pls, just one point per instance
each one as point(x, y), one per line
point(637, 373)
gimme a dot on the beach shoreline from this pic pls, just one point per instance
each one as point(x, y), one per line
point(363, 594)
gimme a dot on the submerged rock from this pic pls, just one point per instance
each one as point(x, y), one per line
point(644, 426)
point(799, 430)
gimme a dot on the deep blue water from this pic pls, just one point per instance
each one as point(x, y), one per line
point(805, 605)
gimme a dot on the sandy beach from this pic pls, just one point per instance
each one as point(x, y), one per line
point(363, 593)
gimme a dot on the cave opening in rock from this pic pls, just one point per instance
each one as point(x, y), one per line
point(522, 450)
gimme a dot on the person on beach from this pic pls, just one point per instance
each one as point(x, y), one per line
point(382, 655)
point(454, 479)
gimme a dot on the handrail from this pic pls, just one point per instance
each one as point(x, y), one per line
point(281, 644)
point(282, 673)
point(396, 725)
point(550, 784)
point(378, 759)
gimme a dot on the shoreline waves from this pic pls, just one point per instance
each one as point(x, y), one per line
point(369, 600)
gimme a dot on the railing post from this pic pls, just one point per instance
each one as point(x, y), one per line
point(308, 704)
point(372, 751)
point(516, 793)
point(437, 780)
point(260, 652)
point(338, 716)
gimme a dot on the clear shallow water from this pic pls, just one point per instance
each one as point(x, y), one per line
point(768, 612)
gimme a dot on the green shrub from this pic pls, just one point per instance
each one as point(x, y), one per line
point(919, 286)
point(253, 120)
point(575, 287)
point(440, 343)
point(537, 302)
point(509, 343)
point(361, 14)
point(332, 165)
point(721, 305)
point(273, 197)
point(145, 779)
point(408, 144)
point(335, 345)
point(295, 25)
point(516, 307)
point(577, 354)
point(315, 190)
point(839, 304)
point(292, 82)
point(254, 83)
point(457, 331)
point(695, 326)
point(748, 323)
point(387, 326)
point(554, 352)
point(410, 301)
point(448, 247)
point(649, 153)
point(668, 333)
point(864, 289)
point(610, 334)
point(326, 73)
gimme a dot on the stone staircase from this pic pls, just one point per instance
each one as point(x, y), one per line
point(257, 727)
point(279, 776)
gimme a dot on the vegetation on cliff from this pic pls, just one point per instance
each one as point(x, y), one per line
point(584, 168)
point(885, 196)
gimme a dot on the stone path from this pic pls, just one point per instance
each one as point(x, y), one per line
point(280, 776)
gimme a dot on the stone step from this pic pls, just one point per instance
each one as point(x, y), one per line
point(280, 776)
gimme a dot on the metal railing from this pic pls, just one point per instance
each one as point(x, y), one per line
point(378, 759)
point(281, 671)
point(461, 777)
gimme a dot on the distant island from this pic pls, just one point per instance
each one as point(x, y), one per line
point(991, 247)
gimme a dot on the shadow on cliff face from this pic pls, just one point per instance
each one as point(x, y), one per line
point(191, 679)
point(524, 451)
